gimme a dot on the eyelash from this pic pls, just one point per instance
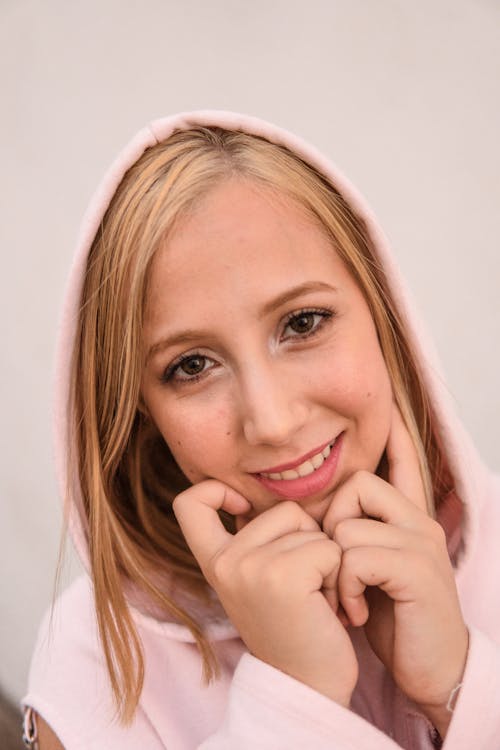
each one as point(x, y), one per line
point(325, 313)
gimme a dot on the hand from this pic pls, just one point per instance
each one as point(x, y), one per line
point(277, 580)
point(412, 615)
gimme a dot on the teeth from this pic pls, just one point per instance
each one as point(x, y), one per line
point(305, 468)
point(317, 461)
point(290, 474)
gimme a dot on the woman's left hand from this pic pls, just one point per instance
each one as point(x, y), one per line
point(411, 611)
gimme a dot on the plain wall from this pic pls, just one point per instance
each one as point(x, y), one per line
point(403, 96)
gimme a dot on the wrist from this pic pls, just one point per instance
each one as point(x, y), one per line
point(440, 715)
point(441, 712)
point(340, 694)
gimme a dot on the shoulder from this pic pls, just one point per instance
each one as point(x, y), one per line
point(66, 669)
point(68, 684)
point(69, 627)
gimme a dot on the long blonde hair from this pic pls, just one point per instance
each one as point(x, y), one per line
point(127, 475)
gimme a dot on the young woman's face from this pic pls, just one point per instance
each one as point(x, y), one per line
point(263, 358)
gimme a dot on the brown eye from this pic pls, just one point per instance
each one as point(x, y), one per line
point(302, 323)
point(193, 365)
point(188, 369)
point(306, 323)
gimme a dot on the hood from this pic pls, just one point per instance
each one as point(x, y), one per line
point(467, 470)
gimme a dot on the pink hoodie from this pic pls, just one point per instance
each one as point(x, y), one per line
point(253, 704)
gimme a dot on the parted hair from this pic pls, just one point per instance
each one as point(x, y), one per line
point(127, 475)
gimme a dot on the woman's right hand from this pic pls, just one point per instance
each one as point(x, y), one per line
point(277, 581)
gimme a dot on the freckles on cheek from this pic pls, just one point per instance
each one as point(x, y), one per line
point(189, 455)
point(361, 390)
point(198, 439)
point(352, 388)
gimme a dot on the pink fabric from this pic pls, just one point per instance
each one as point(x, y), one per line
point(253, 704)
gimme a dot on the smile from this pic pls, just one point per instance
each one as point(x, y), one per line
point(313, 474)
point(305, 468)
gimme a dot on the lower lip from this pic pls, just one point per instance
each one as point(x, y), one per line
point(294, 489)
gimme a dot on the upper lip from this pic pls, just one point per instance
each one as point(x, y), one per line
point(296, 462)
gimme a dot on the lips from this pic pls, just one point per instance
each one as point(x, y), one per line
point(298, 461)
point(286, 481)
point(303, 469)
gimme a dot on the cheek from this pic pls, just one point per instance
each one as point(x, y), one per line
point(371, 389)
point(197, 437)
point(358, 387)
point(371, 400)
point(355, 381)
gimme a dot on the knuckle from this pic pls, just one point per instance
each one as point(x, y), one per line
point(296, 516)
point(341, 532)
point(337, 553)
point(291, 509)
point(184, 499)
point(362, 476)
point(358, 480)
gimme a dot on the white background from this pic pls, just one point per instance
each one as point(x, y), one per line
point(402, 95)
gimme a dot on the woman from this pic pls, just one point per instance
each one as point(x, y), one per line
point(237, 339)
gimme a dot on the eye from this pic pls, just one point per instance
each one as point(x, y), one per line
point(188, 368)
point(306, 323)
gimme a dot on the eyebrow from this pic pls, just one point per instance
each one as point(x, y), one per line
point(194, 335)
point(296, 291)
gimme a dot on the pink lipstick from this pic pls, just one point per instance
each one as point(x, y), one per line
point(294, 488)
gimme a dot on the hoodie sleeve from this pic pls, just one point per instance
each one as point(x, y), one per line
point(265, 708)
point(476, 716)
point(272, 711)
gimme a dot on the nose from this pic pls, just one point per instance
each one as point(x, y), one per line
point(274, 406)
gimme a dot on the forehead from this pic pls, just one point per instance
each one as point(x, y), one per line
point(242, 243)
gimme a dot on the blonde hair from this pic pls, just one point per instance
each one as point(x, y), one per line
point(127, 475)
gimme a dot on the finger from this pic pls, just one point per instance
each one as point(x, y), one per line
point(332, 597)
point(402, 457)
point(369, 566)
point(284, 518)
point(366, 532)
point(342, 615)
point(325, 558)
point(365, 494)
point(196, 511)
point(317, 562)
point(294, 540)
